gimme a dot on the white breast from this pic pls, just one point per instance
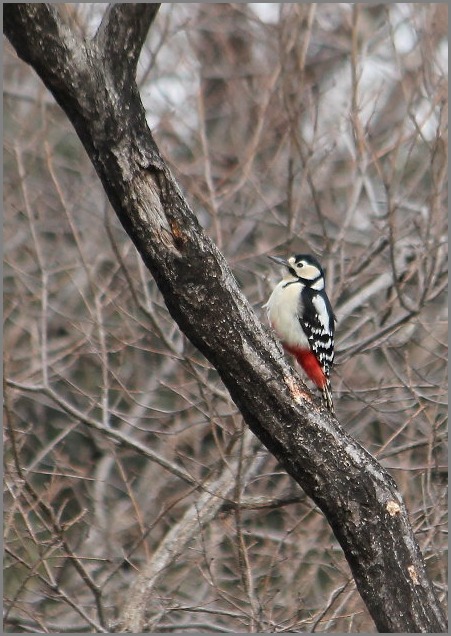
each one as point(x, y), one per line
point(283, 308)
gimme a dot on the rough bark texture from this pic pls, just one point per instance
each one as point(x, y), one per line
point(93, 82)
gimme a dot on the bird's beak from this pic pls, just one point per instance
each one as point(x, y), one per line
point(279, 260)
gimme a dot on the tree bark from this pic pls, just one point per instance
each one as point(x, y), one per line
point(94, 83)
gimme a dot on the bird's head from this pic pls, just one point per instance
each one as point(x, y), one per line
point(302, 266)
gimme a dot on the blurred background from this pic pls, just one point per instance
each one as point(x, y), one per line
point(318, 128)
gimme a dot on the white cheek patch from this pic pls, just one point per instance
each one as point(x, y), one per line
point(309, 272)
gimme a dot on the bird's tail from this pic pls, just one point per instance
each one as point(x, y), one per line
point(327, 396)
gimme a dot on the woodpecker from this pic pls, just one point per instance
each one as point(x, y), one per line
point(300, 313)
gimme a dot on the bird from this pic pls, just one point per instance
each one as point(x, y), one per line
point(301, 314)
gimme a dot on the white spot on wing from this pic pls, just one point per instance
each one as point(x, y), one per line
point(321, 313)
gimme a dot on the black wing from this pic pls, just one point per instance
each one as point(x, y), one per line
point(318, 322)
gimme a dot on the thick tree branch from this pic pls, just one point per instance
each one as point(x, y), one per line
point(359, 499)
point(121, 36)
